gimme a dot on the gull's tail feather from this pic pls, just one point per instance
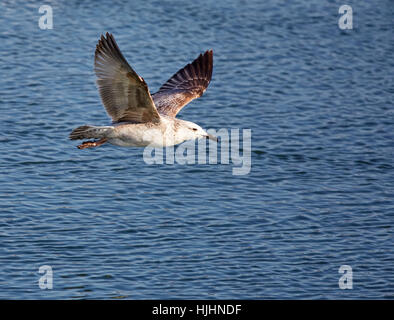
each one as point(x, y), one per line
point(90, 132)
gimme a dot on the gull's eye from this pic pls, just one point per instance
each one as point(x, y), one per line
point(194, 129)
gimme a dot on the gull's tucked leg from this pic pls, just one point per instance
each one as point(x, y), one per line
point(91, 144)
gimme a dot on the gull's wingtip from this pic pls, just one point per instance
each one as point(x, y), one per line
point(209, 52)
point(106, 36)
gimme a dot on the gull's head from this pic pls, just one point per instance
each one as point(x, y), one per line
point(191, 131)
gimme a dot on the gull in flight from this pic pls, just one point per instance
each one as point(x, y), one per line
point(140, 119)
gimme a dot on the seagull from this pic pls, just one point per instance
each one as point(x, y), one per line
point(140, 119)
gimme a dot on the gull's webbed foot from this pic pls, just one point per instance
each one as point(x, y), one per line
point(91, 144)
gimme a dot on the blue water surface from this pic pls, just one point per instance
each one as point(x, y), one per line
point(319, 102)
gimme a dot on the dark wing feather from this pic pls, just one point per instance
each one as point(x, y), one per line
point(187, 84)
point(123, 92)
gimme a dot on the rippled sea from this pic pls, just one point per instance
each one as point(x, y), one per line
point(319, 102)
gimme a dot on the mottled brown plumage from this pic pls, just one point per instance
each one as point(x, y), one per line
point(187, 84)
point(124, 93)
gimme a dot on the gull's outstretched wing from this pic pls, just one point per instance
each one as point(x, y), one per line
point(187, 84)
point(123, 92)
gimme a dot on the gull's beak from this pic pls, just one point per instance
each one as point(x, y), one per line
point(211, 137)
